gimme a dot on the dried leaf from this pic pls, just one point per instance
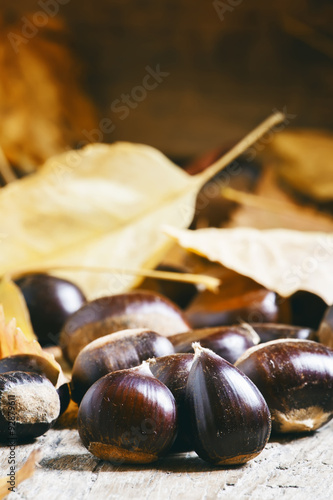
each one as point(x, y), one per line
point(14, 306)
point(43, 109)
point(101, 205)
point(271, 207)
point(26, 471)
point(105, 205)
point(279, 259)
point(13, 341)
point(306, 162)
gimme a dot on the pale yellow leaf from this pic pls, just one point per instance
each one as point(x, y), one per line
point(13, 341)
point(14, 306)
point(102, 206)
point(280, 259)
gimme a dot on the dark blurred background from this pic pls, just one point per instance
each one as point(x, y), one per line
point(228, 65)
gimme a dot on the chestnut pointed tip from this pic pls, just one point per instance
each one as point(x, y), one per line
point(252, 333)
point(197, 348)
point(144, 369)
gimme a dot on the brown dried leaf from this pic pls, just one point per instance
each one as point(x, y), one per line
point(14, 306)
point(26, 471)
point(271, 207)
point(279, 259)
point(306, 162)
point(43, 110)
point(102, 206)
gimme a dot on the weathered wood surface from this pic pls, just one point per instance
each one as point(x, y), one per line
point(288, 468)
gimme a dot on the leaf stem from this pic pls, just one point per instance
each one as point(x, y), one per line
point(241, 146)
point(208, 282)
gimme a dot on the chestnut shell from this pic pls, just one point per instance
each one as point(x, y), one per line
point(50, 301)
point(128, 416)
point(229, 417)
point(38, 364)
point(274, 331)
point(29, 406)
point(139, 309)
point(209, 309)
point(29, 363)
point(229, 342)
point(296, 378)
point(113, 352)
point(173, 371)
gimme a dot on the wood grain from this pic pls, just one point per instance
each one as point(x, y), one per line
point(299, 468)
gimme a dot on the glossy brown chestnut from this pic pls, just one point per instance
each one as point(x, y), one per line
point(209, 309)
point(274, 331)
point(325, 331)
point(113, 352)
point(29, 405)
point(128, 416)
point(296, 378)
point(64, 393)
point(30, 363)
point(38, 364)
point(50, 301)
point(173, 371)
point(229, 418)
point(229, 342)
point(140, 309)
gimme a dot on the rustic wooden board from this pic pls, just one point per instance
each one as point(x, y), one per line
point(288, 468)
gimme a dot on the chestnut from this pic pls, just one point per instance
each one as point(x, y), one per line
point(139, 309)
point(273, 331)
point(30, 363)
point(64, 393)
point(296, 378)
point(113, 352)
point(29, 405)
point(128, 416)
point(173, 371)
point(228, 416)
point(209, 309)
point(229, 342)
point(38, 364)
point(50, 301)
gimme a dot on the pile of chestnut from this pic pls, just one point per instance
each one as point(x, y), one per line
point(148, 384)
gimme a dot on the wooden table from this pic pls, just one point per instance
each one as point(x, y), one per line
point(299, 468)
